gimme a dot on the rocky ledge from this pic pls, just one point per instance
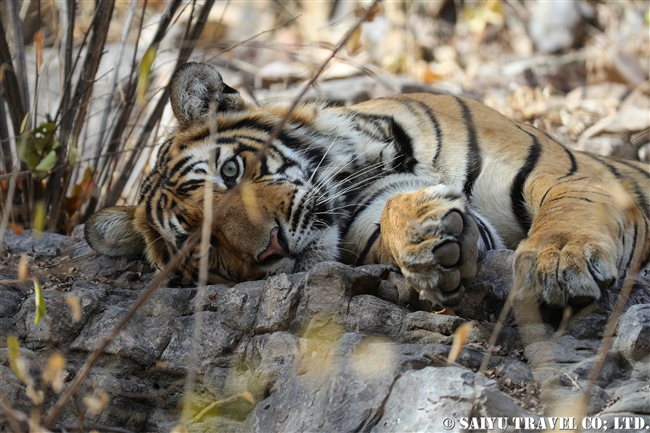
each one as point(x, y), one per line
point(337, 348)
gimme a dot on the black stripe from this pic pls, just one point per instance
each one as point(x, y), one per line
point(632, 251)
point(290, 207)
point(404, 162)
point(379, 122)
point(574, 163)
point(294, 223)
point(365, 203)
point(485, 234)
point(371, 241)
point(646, 260)
point(188, 186)
point(634, 167)
point(570, 196)
point(434, 121)
point(473, 152)
point(644, 205)
point(541, 202)
point(181, 219)
point(517, 201)
point(188, 168)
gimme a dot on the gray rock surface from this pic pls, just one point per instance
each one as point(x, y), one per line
point(337, 348)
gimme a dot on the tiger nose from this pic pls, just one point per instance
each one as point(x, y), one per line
point(276, 249)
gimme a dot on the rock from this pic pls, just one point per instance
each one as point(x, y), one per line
point(440, 323)
point(142, 340)
point(213, 340)
point(566, 349)
point(328, 393)
point(588, 326)
point(631, 396)
point(42, 245)
point(633, 337)
point(423, 400)
point(236, 306)
point(9, 302)
point(57, 326)
point(278, 305)
point(566, 401)
point(337, 348)
point(489, 290)
point(370, 315)
point(607, 373)
point(638, 403)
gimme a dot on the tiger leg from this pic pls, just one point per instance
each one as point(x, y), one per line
point(430, 235)
point(580, 242)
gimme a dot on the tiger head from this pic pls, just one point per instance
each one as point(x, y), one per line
point(279, 220)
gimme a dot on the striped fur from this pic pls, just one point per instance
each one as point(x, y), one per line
point(421, 181)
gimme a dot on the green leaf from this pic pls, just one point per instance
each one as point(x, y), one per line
point(45, 165)
point(13, 349)
point(23, 124)
point(38, 149)
point(39, 218)
point(73, 154)
point(40, 302)
point(143, 74)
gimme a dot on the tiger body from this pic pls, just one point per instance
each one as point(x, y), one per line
point(421, 181)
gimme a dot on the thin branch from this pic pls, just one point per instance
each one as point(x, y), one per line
point(155, 116)
point(129, 102)
point(17, 109)
point(118, 61)
point(71, 124)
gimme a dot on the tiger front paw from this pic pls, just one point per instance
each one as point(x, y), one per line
point(433, 241)
point(561, 268)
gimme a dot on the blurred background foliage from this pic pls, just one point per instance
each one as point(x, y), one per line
point(83, 84)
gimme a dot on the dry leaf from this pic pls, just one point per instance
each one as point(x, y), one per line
point(54, 371)
point(248, 397)
point(16, 228)
point(460, 338)
point(376, 10)
point(37, 397)
point(373, 357)
point(96, 402)
point(81, 192)
point(38, 47)
point(180, 428)
point(23, 272)
point(250, 201)
point(75, 307)
point(353, 44)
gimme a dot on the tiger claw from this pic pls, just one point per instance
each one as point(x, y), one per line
point(559, 272)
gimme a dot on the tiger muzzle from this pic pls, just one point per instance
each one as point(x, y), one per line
point(277, 248)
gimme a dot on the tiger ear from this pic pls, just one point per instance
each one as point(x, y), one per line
point(111, 232)
point(195, 87)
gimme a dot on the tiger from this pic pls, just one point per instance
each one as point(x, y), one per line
point(420, 181)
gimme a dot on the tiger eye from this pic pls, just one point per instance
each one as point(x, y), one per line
point(230, 169)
